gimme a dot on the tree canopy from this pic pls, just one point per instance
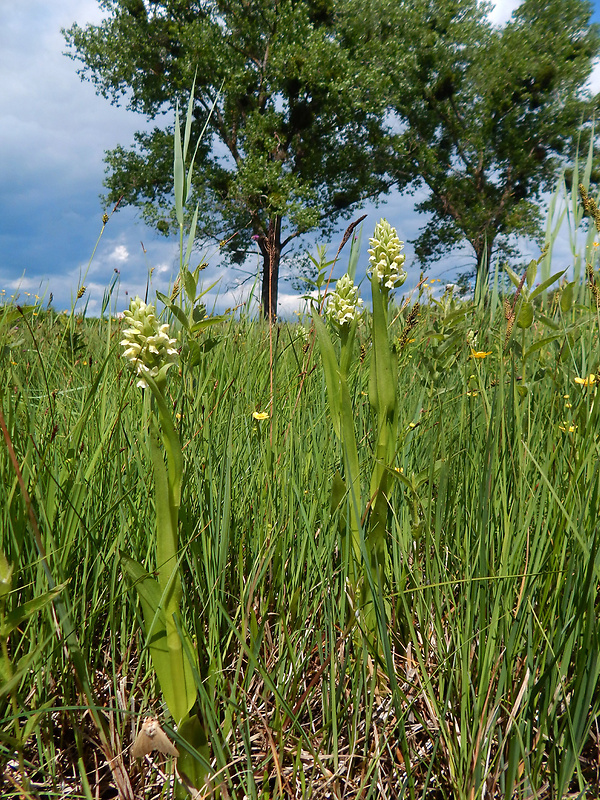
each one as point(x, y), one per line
point(320, 104)
point(294, 141)
point(485, 117)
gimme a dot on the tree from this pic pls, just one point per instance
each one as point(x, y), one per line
point(293, 142)
point(485, 118)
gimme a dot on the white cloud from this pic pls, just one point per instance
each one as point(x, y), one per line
point(593, 83)
point(502, 11)
point(24, 284)
point(120, 253)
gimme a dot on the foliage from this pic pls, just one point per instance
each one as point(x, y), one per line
point(491, 543)
point(284, 153)
point(434, 636)
point(484, 119)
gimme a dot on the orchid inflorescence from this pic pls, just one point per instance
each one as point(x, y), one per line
point(148, 346)
point(344, 304)
point(385, 257)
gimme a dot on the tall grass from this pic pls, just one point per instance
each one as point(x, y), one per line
point(486, 684)
point(493, 543)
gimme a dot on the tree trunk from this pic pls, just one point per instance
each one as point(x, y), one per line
point(270, 247)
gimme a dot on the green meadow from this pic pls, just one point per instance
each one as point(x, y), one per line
point(464, 664)
point(356, 556)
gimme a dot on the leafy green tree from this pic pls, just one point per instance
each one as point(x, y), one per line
point(484, 118)
point(293, 142)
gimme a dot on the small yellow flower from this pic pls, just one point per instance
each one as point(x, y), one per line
point(260, 415)
point(589, 381)
point(568, 428)
point(480, 354)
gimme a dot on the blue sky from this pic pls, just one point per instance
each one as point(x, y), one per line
point(54, 130)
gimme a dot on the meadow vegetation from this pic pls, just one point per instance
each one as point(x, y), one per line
point(367, 567)
point(479, 676)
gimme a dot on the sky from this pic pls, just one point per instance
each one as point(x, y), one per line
point(54, 131)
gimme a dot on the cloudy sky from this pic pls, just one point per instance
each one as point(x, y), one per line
point(53, 134)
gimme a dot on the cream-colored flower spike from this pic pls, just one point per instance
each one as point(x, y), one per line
point(148, 346)
point(344, 304)
point(385, 257)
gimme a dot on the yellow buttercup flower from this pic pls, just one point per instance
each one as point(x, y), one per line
point(569, 429)
point(480, 354)
point(260, 415)
point(589, 381)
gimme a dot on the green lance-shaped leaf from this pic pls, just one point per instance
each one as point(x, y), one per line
point(566, 297)
point(338, 492)
point(545, 284)
point(382, 382)
point(6, 571)
point(376, 549)
point(352, 469)
point(16, 616)
point(531, 273)
point(177, 312)
point(193, 766)
point(525, 318)
point(207, 322)
point(188, 251)
point(513, 276)
point(166, 527)
point(11, 675)
point(178, 173)
point(330, 368)
point(382, 391)
point(340, 406)
point(169, 658)
point(172, 448)
point(190, 283)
